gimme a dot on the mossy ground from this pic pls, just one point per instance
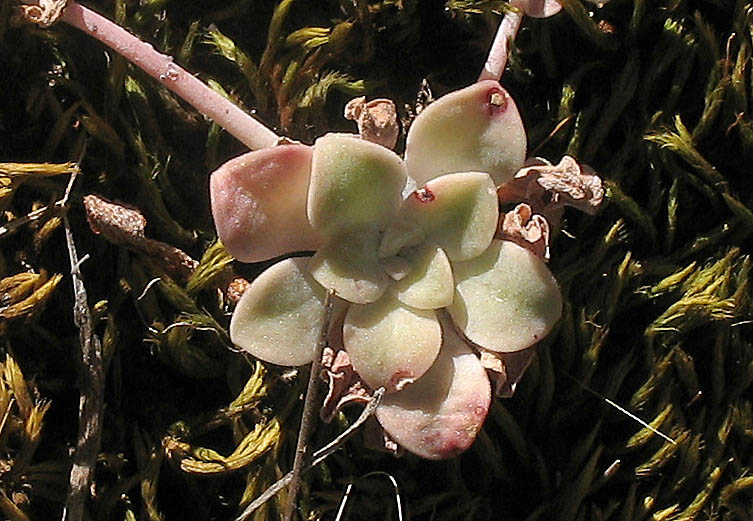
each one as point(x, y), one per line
point(655, 95)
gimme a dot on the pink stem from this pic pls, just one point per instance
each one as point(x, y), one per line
point(243, 126)
point(497, 59)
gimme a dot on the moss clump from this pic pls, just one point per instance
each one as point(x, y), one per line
point(656, 96)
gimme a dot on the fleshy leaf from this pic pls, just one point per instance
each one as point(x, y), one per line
point(391, 345)
point(259, 203)
point(429, 282)
point(475, 129)
point(279, 317)
point(506, 299)
point(348, 264)
point(440, 415)
point(354, 184)
point(457, 211)
point(539, 8)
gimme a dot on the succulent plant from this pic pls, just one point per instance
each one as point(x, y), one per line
point(433, 286)
point(413, 252)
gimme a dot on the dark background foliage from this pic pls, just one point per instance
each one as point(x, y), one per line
point(655, 95)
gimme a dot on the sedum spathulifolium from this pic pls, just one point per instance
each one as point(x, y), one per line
point(435, 288)
point(430, 292)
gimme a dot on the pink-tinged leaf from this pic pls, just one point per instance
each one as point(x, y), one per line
point(457, 211)
point(539, 8)
point(475, 129)
point(348, 264)
point(440, 415)
point(506, 300)
point(259, 203)
point(391, 345)
point(355, 184)
point(279, 317)
point(428, 283)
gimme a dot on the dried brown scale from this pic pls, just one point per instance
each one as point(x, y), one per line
point(344, 386)
point(125, 226)
point(547, 187)
point(526, 229)
point(43, 12)
point(377, 120)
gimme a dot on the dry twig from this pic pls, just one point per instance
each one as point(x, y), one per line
point(92, 388)
point(302, 450)
point(319, 455)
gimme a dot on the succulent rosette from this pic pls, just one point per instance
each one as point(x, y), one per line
point(425, 290)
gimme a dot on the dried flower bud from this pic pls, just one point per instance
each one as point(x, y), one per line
point(344, 385)
point(376, 119)
point(569, 184)
point(527, 229)
point(43, 12)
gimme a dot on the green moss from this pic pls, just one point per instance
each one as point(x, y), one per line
point(655, 95)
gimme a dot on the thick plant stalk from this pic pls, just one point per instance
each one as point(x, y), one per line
point(496, 61)
point(243, 126)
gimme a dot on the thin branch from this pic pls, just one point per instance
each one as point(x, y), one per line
point(92, 389)
point(319, 456)
point(496, 61)
point(349, 489)
point(302, 451)
point(222, 111)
